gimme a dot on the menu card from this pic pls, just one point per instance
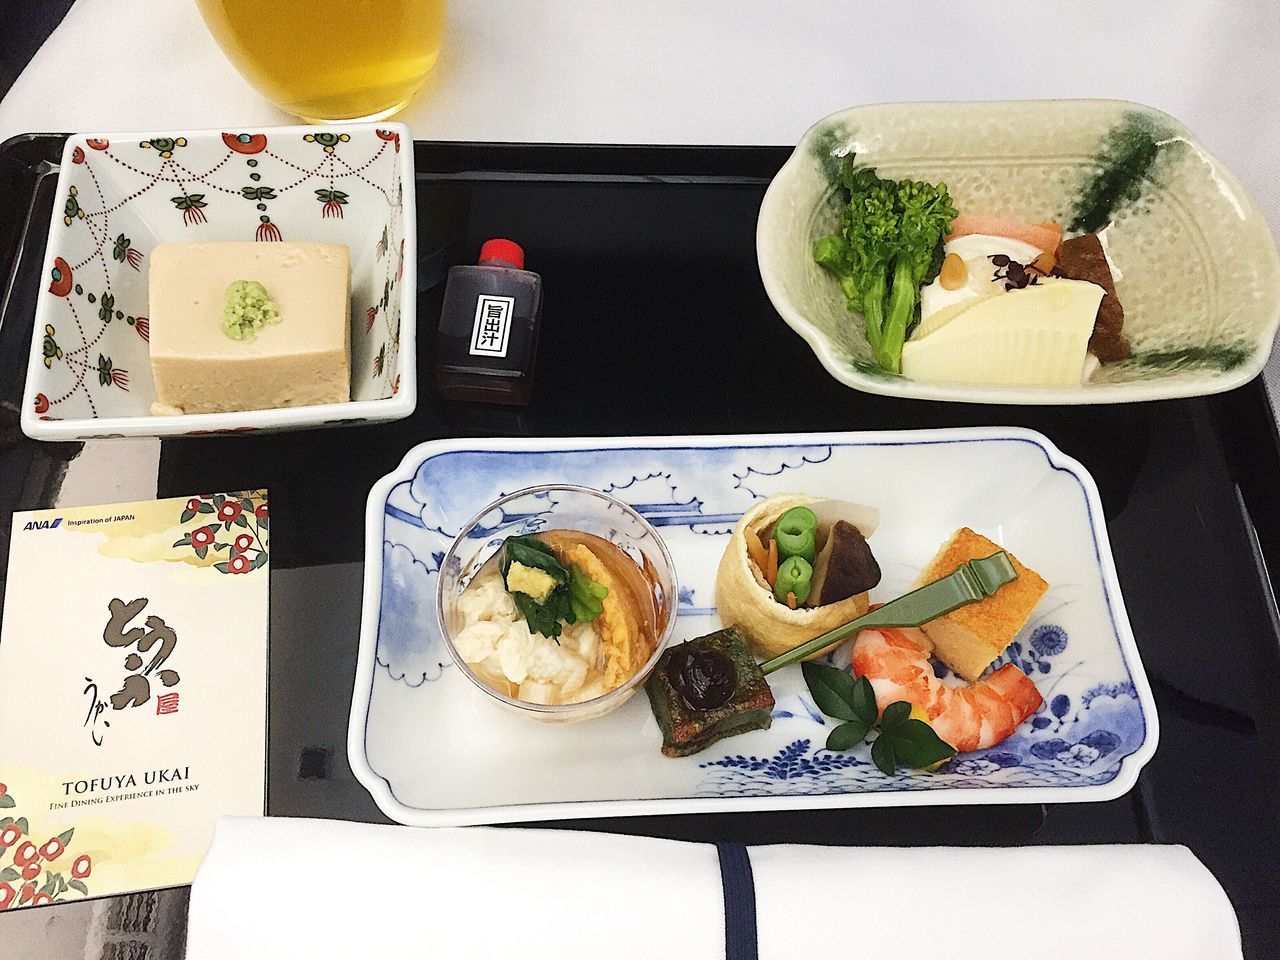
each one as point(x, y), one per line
point(133, 685)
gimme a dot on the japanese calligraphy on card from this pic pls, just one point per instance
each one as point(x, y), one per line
point(133, 654)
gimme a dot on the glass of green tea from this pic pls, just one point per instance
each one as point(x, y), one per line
point(330, 60)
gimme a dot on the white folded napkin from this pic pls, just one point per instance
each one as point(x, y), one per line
point(272, 888)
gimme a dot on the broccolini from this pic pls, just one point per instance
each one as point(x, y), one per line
point(889, 246)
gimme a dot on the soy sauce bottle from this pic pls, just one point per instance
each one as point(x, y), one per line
point(488, 335)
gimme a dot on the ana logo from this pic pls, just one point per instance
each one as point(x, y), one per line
point(43, 524)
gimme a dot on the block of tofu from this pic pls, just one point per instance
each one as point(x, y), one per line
point(303, 359)
point(968, 639)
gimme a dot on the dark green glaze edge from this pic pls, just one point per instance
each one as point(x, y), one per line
point(825, 145)
point(1129, 157)
point(1222, 357)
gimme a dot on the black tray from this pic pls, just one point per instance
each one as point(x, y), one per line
point(655, 322)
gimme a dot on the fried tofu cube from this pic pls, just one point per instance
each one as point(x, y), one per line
point(969, 638)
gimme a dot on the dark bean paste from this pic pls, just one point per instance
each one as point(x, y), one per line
point(704, 679)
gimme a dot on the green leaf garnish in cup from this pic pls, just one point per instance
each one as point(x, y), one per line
point(545, 591)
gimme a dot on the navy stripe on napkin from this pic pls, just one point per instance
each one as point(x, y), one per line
point(739, 902)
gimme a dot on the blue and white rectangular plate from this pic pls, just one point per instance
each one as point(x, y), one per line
point(434, 752)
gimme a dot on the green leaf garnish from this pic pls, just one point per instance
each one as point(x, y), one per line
point(576, 598)
point(832, 691)
point(545, 617)
point(585, 595)
point(894, 715)
point(916, 745)
point(882, 756)
point(864, 701)
point(847, 735)
point(901, 739)
point(531, 552)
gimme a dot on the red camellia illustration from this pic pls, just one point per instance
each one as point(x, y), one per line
point(390, 135)
point(96, 144)
point(236, 532)
point(28, 863)
point(61, 273)
point(82, 867)
point(77, 155)
point(245, 142)
point(25, 854)
point(42, 406)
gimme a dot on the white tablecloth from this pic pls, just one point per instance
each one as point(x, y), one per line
point(711, 71)
point(324, 889)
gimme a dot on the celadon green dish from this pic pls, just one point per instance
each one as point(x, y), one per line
point(1194, 261)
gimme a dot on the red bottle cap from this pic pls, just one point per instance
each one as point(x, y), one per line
point(508, 251)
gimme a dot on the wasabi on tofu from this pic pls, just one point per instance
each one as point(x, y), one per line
point(247, 310)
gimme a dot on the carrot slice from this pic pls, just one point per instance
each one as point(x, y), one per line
point(1044, 236)
point(791, 600)
point(1055, 238)
point(756, 551)
point(771, 564)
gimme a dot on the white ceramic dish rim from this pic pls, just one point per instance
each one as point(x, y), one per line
point(821, 344)
point(380, 788)
point(396, 407)
point(613, 698)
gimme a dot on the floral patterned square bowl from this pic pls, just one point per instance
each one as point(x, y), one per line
point(120, 195)
point(1194, 261)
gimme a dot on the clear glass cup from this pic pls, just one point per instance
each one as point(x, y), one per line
point(558, 507)
point(330, 60)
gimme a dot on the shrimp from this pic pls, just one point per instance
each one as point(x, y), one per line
point(896, 661)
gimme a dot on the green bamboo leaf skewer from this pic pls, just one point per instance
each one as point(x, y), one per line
point(968, 583)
